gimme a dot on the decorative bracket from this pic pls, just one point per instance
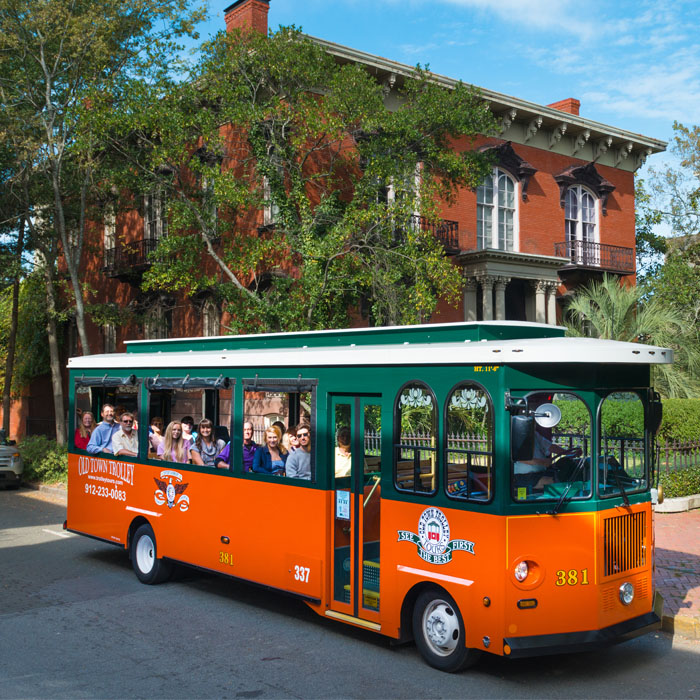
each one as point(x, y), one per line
point(557, 133)
point(507, 119)
point(601, 147)
point(642, 157)
point(623, 153)
point(532, 128)
point(389, 83)
point(581, 140)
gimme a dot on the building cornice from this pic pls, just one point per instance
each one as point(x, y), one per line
point(528, 123)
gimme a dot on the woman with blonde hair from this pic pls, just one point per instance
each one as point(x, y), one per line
point(84, 430)
point(272, 456)
point(174, 448)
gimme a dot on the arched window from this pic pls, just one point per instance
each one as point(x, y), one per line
point(211, 319)
point(496, 215)
point(415, 439)
point(581, 224)
point(469, 443)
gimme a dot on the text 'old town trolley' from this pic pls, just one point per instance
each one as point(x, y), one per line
point(478, 487)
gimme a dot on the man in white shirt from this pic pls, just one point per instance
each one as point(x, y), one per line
point(125, 442)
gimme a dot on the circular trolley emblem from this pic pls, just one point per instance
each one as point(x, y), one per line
point(433, 538)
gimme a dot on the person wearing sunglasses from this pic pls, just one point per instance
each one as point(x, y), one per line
point(299, 462)
point(125, 442)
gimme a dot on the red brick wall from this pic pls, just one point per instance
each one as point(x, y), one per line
point(249, 14)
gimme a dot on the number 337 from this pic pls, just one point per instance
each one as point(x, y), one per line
point(301, 573)
point(572, 577)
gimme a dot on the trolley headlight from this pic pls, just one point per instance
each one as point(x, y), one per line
point(521, 571)
point(626, 593)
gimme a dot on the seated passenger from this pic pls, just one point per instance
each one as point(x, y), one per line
point(188, 434)
point(155, 434)
point(101, 438)
point(84, 430)
point(174, 448)
point(299, 462)
point(205, 449)
point(343, 458)
point(290, 439)
point(272, 456)
point(125, 442)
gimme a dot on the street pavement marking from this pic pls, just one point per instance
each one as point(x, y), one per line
point(58, 534)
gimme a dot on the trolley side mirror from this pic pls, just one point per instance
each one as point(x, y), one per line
point(522, 438)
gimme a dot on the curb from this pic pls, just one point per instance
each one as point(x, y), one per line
point(682, 626)
point(57, 492)
point(678, 505)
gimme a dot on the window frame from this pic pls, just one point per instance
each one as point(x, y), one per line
point(646, 448)
point(396, 445)
point(492, 475)
point(494, 242)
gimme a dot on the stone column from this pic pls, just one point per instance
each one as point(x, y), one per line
point(552, 303)
point(500, 287)
point(470, 288)
point(540, 287)
point(487, 297)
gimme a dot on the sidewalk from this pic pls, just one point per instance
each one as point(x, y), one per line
point(677, 575)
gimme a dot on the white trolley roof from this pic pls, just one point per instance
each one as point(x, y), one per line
point(492, 352)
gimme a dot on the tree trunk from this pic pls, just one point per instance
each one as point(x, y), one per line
point(72, 255)
point(55, 361)
point(12, 341)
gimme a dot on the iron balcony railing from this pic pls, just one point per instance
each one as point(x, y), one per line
point(613, 258)
point(131, 255)
point(447, 232)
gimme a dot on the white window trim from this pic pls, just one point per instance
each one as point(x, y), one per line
point(517, 193)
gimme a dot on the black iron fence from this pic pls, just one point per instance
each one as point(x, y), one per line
point(447, 232)
point(125, 256)
point(589, 254)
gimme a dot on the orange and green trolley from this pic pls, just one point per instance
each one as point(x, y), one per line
point(495, 495)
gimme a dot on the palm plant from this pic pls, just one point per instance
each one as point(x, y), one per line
point(613, 311)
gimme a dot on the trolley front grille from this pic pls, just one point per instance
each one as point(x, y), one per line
point(625, 545)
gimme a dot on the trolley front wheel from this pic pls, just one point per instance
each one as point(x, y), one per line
point(144, 557)
point(439, 632)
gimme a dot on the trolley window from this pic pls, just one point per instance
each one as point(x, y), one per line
point(561, 464)
point(177, 406)
point(469, 443)
point(415, 439)
point(278, 415)
point(622, 465)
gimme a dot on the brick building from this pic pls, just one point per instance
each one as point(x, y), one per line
point(557, 211)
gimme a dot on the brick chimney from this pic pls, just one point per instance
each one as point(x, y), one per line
point(247, 14)
point(570, 105)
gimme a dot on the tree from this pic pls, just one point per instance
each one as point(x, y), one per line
point(650, 246)
point(53, 53)
point(613, 311)
point(275, 124)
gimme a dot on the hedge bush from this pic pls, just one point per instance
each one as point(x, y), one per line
point(682, 482)
point(681, 420)
point(44, 460)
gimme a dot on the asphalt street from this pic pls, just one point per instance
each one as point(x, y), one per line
point(76, 623)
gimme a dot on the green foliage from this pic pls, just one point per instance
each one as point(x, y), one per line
point(44, 460)
point(650, 246)
point(31, 354)
point(681, 420)
point(312, 142)
point(611, 310)
point(681, 482)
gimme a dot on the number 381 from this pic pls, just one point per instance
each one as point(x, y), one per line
point(572, 577)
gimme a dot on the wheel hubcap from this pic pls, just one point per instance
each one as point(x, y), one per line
point(441, 627)
point(145, 554)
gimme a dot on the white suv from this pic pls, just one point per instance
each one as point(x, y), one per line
point(10, 466)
